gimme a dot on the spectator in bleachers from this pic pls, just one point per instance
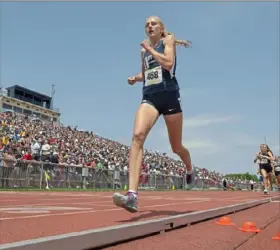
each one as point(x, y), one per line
point(7, 166)
point(35, 149)
point(45, 151)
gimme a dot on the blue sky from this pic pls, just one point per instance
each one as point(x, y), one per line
point(229, 80)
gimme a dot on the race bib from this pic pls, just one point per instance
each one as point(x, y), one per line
point(153, 76)
point(277, 168)
point(264, 161)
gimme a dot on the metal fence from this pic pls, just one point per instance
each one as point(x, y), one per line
point(44, 175)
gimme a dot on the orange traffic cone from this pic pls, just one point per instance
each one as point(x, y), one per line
point(225, 221)
point(250, 227)
point(277, 237)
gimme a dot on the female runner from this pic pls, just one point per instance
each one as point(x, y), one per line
point(266, 157)
point(160, 97)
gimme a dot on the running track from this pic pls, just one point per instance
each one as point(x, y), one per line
point(30, 215)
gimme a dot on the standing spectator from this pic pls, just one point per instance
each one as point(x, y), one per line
point(45, 151)
point(7, 166)
point(35, 149)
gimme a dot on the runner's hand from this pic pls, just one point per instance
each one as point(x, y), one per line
point(131, 80)
point(145, 44)
point(189, 44)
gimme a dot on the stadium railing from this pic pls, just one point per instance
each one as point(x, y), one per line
point(41, 175)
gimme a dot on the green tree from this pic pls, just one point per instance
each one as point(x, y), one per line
point(242, 176)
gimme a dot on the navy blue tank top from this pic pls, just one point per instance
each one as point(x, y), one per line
point(156, 78)
point(263, 161)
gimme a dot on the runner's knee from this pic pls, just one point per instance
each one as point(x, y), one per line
point(139, 138)
point(264, 173)
point(178, 149)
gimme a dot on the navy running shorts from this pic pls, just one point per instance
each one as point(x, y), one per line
point(166, 102)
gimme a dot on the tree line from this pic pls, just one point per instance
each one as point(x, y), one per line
point(245, 176)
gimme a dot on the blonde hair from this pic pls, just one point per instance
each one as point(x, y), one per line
point(184, 43)
point(165, 33)
point(268, 149)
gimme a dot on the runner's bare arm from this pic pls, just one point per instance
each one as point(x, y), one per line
point(257, 157)
point(139, 77)
point(166, 60)
point(271, 157)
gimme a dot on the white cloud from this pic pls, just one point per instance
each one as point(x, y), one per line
point(207, 120)
point(239, 139)
point(197, 148)
point(210, 145)
point(199, 144)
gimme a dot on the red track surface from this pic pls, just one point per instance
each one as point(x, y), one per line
point(208, 235)
point(79, 211)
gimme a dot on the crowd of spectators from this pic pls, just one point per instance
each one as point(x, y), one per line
point(29, 138)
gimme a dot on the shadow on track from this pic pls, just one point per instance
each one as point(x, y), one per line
point(154, 213)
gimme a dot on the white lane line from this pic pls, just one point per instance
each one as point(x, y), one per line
point(91, 211)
